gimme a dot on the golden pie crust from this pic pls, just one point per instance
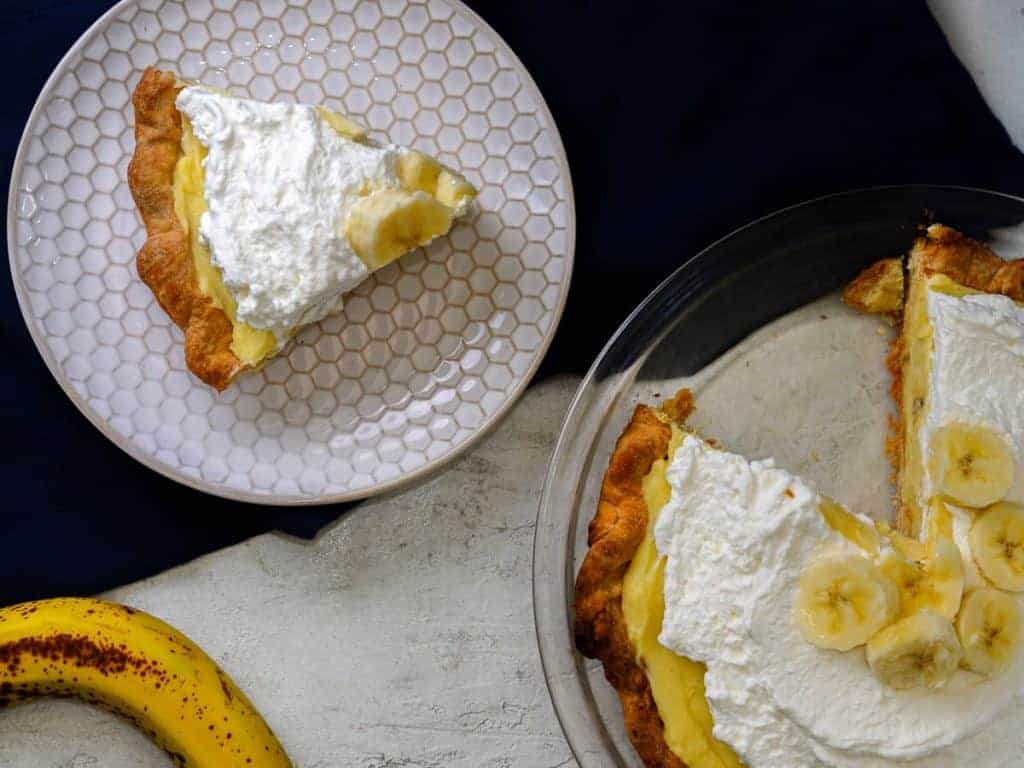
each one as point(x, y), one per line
point(616, 531)
point(943, 250)
point(878, 289)
point(165, 260)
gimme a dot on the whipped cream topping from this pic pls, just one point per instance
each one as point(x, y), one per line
point(737, 535)
point(977, 372)
point(279, 181)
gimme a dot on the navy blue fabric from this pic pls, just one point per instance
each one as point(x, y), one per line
point(700, 115)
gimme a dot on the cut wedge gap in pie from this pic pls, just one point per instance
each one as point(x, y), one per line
point(260, 216)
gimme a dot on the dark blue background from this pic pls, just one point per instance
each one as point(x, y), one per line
point(682, 121)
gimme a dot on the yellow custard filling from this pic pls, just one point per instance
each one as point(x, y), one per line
point(677, 684)
point(918, 347)
point(250, 345)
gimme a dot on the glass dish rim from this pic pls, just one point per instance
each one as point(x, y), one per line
point(550, 633)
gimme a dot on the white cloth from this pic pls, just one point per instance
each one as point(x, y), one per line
point(988, 37)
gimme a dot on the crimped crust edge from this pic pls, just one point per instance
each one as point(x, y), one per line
point(165, 261)
point(615, 533)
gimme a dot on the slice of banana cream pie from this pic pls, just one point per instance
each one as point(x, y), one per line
point(958, 373)
point(747, 620)
point(260, 216)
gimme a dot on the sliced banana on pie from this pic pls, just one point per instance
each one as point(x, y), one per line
point(935, 580)
point(385, 224)
point(921, 650)
point(971, 464)
point(842, 600)
point(260, 216)
point(989, 627)
point(997, 545)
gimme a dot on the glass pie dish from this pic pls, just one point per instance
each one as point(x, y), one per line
point(779, 367)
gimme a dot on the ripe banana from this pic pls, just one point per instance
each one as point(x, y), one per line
point(989, 627)
point(137, 666)
point(935, 581)
point(388, 223)
point(842, 600)
point(971, 464)
point(920, 650)
point(997, 544)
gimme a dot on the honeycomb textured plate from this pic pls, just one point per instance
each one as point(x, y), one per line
point(427, 353)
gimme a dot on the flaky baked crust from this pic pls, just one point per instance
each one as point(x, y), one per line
point(165, 261)
point(615, 533)
point(904, 517)
point(943, 250)
point(878, 289)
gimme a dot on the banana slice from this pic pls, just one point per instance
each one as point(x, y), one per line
point(935, 582)
point(416, 171)
point(920, 650)
point(997, 544)
point(940, 521)
point(842, 600)
point(347, 128)
point(971, 464)
point(989, 626)
point(856, 529)
point(388, 223)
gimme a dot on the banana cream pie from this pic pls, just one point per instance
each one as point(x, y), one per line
point(260, 216)
point(746, 620)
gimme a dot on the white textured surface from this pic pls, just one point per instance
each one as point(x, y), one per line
point(988, 37)
point(401, 638)
point(427, 351)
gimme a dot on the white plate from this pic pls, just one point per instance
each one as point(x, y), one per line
point(427, 354)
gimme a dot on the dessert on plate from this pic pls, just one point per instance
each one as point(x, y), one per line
point(746, 620)
point(259, 216)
